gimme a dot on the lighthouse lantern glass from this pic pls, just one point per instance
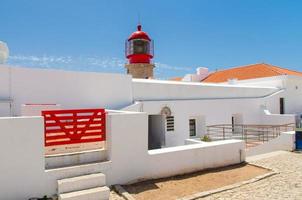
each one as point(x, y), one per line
point(139, 46)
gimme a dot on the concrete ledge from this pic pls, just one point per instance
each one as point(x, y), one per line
point(81, 183)
point(77, 158)
point(99, 193)
point(79, 170)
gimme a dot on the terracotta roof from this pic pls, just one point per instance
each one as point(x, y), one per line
point(249, 72)
point(176, 79)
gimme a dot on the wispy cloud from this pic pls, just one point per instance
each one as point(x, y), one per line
point(89, 63)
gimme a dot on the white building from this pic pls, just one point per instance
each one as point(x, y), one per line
point(151, 128)
point(164, 116)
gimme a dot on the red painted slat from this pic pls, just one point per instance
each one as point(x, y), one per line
point(74, 142)
point(50, 117)
point(53, 123)
point(59, 137)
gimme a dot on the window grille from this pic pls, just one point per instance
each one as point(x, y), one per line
point(170, 123)
point(192, 124)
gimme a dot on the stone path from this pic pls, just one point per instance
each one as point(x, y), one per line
point(285, 185)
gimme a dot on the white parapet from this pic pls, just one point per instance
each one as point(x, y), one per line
point(286, 142)
point(131, 160)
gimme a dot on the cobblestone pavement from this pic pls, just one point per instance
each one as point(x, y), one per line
point(285, 185)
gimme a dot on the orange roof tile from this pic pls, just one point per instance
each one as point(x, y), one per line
point(249, 72)
point(176, 79)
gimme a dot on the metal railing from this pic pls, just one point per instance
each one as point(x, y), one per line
point(252, 134)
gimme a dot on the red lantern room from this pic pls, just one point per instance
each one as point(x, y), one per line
point(139, 47)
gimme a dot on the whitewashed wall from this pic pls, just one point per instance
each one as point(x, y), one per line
point(70, 89)
point(131, 160)
point(207, 112)
point(22, 159)
point(214, 111)
point(292, 92)
point(277, 119)
point(172, 90)
point(293, 95)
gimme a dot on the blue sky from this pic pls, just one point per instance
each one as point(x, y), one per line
point(89, 35)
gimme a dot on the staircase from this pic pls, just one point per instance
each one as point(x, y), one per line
point(79, 175)
point(92, 187)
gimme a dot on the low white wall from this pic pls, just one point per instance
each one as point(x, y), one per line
point(277, 119)
point(131, 160)
point(22, 165)
point(286, 142)
point(189, 158)
point(22, 159)
point(193, 141)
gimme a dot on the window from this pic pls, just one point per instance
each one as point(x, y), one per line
point(281, 105)
point(192, 124)
point(170, 123)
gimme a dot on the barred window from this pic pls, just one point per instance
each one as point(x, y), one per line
point(192, 124)
point(170, 123)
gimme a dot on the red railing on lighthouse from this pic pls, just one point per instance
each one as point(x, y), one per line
point(63, 127)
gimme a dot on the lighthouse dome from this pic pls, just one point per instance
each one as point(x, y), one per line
point(139, 47)
point(139, 34)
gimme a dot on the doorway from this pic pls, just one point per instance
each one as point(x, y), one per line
point(282, 106)
point(156, 131)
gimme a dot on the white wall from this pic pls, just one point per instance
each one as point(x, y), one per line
point(184, 159)
point(70, 89)
point(277, 119)
point(131, 160)
point(218, 111)
point(293, 95)
point(274, 81)
point(292, 86)
point(285, 142)
point(22, 166)
point(207, 112)
point(22, 159)
point(172, 90)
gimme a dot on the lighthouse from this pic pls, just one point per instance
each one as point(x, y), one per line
point(139, 52)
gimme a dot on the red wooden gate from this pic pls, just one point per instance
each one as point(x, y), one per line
point(74, 126)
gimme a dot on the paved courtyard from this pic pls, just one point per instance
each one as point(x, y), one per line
point(287, 184)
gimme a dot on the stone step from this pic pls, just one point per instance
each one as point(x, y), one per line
point(98, 193)
point(78, 170)
point(75, 158)
point(81, 183)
